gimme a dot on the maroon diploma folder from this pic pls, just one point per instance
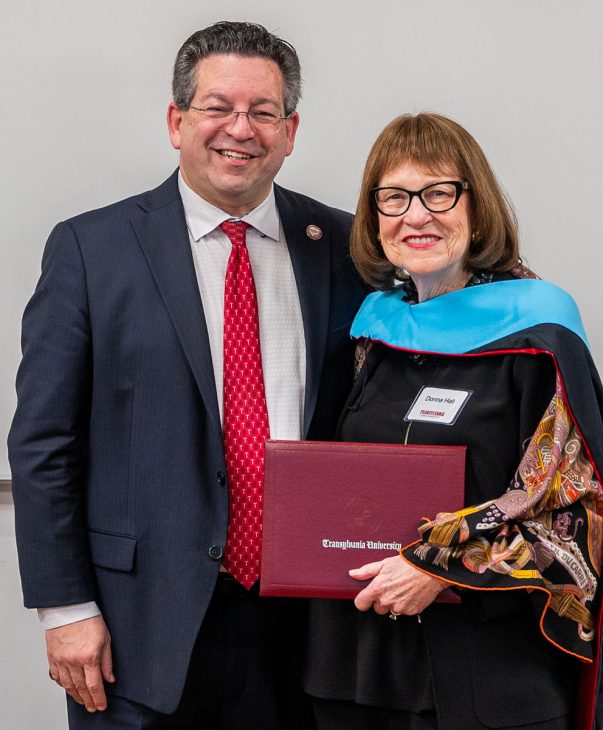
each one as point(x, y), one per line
point(332, 506)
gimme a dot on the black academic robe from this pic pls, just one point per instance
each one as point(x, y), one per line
point(532, 424)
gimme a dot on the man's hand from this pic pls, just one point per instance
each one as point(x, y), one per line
point(397, 587)
point(79, 658)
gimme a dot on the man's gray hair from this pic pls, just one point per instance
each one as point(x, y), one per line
point(243, 39)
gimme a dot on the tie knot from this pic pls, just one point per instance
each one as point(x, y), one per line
point(236, 231)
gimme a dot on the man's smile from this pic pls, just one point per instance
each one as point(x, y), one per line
point(234, 155)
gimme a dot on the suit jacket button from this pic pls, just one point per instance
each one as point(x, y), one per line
point(216, 552)
point(221, 478)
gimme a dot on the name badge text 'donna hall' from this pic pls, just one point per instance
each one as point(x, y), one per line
point(438, 405)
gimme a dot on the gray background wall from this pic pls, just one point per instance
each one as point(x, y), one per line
point(85, 86)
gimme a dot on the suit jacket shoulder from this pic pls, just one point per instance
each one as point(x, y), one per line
point(120, 211)
point(310, 205)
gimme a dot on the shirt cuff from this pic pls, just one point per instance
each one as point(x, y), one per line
point(56, 616)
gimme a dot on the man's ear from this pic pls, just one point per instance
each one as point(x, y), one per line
point(174, 122)
point(291, 126)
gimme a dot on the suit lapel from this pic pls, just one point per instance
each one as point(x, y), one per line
point(311, 262)
point(161, 230)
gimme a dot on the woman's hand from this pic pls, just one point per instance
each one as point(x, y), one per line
point(396, 587)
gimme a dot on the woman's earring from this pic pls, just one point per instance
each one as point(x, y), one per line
point(475, 236)
point(379, 237)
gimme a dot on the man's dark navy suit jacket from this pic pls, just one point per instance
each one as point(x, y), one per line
point(116, 447)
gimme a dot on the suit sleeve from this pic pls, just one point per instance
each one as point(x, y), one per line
point(48, 437)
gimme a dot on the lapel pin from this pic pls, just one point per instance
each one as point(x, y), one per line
point(313, 232)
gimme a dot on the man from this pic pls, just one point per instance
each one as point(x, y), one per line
point(146, 353)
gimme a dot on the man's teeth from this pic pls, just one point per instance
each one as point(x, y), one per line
point(235, 155)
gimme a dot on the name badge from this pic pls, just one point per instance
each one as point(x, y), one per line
point(438, 405)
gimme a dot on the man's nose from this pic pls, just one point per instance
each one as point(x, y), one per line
point(240, 126)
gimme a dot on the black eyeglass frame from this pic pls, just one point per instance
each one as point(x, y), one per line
point(459, 185)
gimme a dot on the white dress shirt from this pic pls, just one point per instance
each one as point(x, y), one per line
point(282, 340)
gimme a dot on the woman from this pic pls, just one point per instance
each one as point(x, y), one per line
point(524, 556)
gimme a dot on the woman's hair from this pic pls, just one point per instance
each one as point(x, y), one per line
point(438, 145)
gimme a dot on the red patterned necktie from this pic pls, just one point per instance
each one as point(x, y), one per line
point(245, 413)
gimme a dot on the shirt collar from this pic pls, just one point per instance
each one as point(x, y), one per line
point(203, 217)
